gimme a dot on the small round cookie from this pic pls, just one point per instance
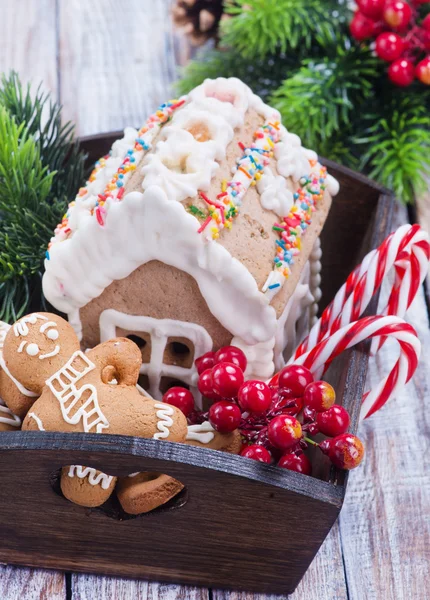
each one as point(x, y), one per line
point(205, 436)
point(35, 347)
point(85, 486)
point(8, 420)
point(142, 492)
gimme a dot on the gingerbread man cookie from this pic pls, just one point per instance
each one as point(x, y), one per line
point(34, 348)
point(94, 393)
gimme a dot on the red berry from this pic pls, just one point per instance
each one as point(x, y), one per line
point(295, 378)
point(231, 354)
point(389, 46)
point(319, 396)
point(426, 23)
point(361, 27)
point(255, 396)
point(345, 451)
point(423, 70)
point(205, 387)
point(227, 379)
point(181, 398)
point(333, 421)
point(397, 15)
point(274, 382)
point(224, 416)
point(371, 8)
point(206, 361)
point(257, 452)
point(402, 72)
point(284, 432)
point(293, 462)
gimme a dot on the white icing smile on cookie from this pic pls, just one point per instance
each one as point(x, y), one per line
point(49, 354)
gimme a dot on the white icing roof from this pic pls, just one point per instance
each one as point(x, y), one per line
point(154, 225)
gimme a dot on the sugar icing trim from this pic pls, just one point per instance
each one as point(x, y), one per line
point(94, 478)
point(293, 226)
point(63, 386)
point(250, 167)
point(38, 421)
point(7, 416)
point(94, 203)
point(165, 421)
point(203, 433)
point(24, 391)
point(160, 331)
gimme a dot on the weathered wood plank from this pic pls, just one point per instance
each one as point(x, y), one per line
point(117, 61)
point(88, 587)
point(385, 521)
point(31, 584)
point(28, 44)
point(324, 579)
point(28, 41)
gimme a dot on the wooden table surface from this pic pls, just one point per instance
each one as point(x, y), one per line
point(110, 63)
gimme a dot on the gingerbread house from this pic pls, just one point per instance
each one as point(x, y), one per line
point(197, 231)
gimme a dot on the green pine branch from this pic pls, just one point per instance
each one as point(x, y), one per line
point(261, 27)
point(40, 169)
point(322, 97)
point(395, 142)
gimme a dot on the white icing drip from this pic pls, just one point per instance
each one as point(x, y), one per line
point(10, 418)
point(274, 193)
point(94, 478)
point(259, 356)
point(134, 474)
point(63, 386)
point(164, 414)
point(52, 334)
point(21, 326)
point(293, 324)
point(149, 227)
point(203, 433)
point(160, 330)
point(50, 354)
point(315, 280)
point(39, 423)
point(19, 385)
point(333, 185)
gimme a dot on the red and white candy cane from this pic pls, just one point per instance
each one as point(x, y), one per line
point(320, 356)
point(407, 250)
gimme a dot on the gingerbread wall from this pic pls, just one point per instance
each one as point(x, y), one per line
point(159, 291)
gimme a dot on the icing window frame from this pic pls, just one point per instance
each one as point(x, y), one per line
point(161, 332)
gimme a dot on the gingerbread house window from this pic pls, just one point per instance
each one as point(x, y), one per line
point(168, 348)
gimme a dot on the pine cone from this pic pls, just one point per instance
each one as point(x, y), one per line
point(198, 19)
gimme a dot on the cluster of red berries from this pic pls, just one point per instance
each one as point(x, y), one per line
point(267, 414)
point(402, 36)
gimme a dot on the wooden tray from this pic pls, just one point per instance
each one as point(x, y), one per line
point(238, 524)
